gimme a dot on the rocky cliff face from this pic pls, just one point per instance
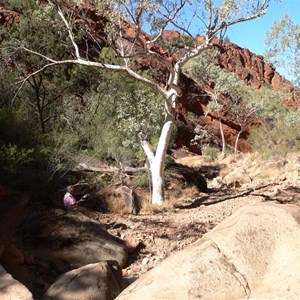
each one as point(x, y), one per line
point(7, 17)
point(193, 101)
point(250, 68)
point(254, 71)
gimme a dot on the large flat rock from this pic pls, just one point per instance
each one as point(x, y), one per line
point(93, 282)
point(70, 237)
point(254, 254)
point(11, 289)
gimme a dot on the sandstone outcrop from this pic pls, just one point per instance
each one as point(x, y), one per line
point(244, 171)
point(11, 289)
point(101, 280)
point(69, 238)
point(249, 255)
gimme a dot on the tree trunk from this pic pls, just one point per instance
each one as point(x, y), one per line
point(157, 174)
point(223, 138)
point(237, 141)
point(158, 164)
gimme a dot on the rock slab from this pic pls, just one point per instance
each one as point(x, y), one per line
point(11, 289)
point(71, 237)
point(95, 281)
point(254, 254)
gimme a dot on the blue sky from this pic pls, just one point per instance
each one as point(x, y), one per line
point(252, 34)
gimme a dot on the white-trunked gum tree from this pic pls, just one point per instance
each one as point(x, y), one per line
point(134, 30)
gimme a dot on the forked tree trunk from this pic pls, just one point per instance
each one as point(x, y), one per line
point(158, 164)
point(157, 159)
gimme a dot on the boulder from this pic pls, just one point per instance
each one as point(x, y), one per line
point(237, 176)
point(268, 169)
point(102, 280)
point(70, 237)
point(254, 254)
point(130, 199)
point(11, 289)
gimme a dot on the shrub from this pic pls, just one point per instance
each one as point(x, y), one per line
point(12, 157)
point(279, 139)
point(211, 152)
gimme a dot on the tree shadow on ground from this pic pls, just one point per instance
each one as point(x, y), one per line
point(194, 176)
point(226, 193)
point(289, 194)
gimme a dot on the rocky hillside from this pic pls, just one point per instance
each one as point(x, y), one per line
point(7, 17)
point(250, 68)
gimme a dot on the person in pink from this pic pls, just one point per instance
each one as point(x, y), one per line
point(69, 200)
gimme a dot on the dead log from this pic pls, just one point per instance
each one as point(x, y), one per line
point(122, 169)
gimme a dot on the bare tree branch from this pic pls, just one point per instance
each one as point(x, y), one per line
point(125, 169)
point(71, 36)
point(81, 61)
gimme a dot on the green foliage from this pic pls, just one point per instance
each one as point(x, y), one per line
point(206, 68)
point(141, 179)
point(78, 110)
point(104, 122)
point(119, 108)
point(280, 140)
point(279, 133)
point(284, 47)
point(16, 143)
point(12, 157)
point(268, 104)
point(212, 153)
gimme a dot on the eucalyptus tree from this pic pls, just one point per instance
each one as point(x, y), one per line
point(229, 93)
point(121, 25)
point(284, 47)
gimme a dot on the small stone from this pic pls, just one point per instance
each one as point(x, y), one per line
point(131, 243)
point(180, 236)
point(145, 260)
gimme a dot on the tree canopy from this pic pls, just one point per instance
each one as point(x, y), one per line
point(284, 47)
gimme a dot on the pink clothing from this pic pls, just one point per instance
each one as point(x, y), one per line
point(69, 200)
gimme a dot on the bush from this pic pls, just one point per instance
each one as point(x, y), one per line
point(211, 152)
point(12, 157)
point(280, 139)
point(16, 143)
point(141, 179)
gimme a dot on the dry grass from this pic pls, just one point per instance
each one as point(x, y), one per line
point(151, 208)
point(194, 161)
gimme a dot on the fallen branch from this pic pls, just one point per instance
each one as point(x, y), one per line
point(123, 169)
